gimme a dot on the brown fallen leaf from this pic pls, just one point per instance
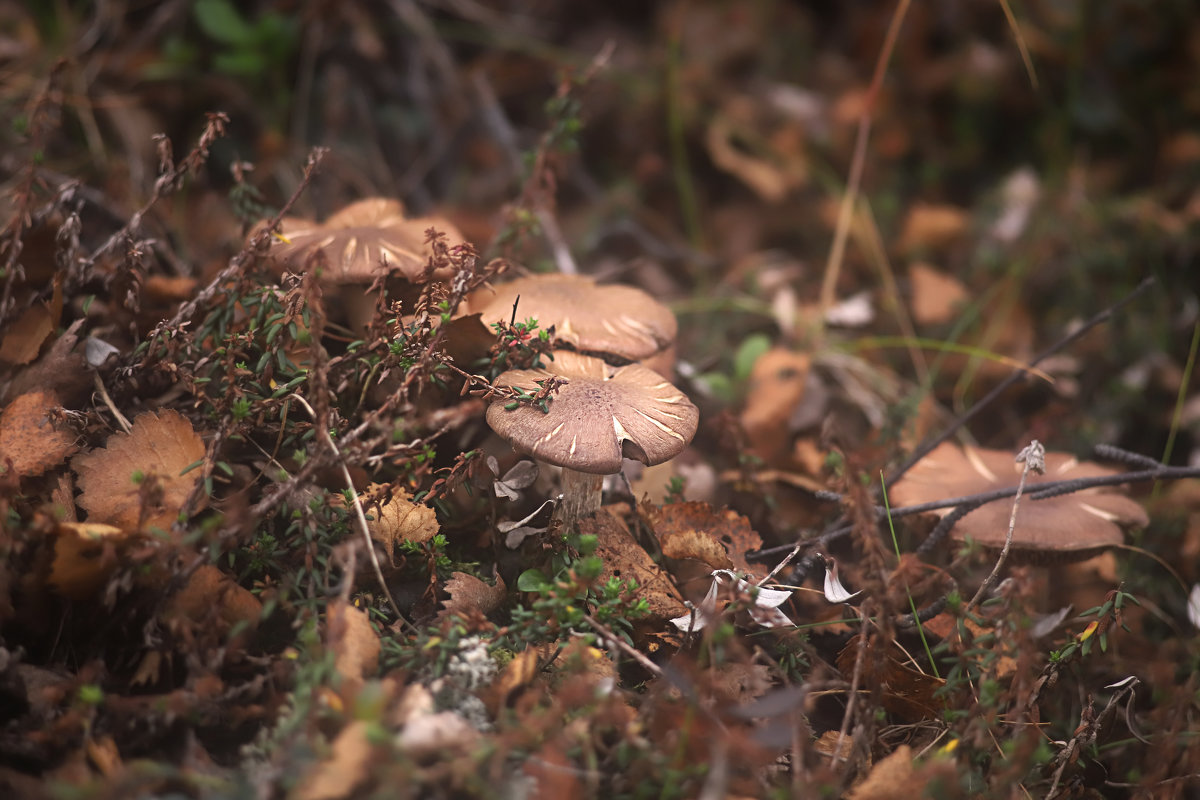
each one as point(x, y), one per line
point(84, 557)
point(468, 593)
point(355, 644)
point(936, 296)
point(29, 438)
point(345, 767)
point(24, 338)
point(898, 777)
point(212, 596)
point(159, 447)
point(400, 520)
point(930, 227)
point(777, 386)
point(907, 693)
point(718, 537)
point(625, 559)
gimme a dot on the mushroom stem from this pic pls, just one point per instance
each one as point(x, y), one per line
point(581, 496)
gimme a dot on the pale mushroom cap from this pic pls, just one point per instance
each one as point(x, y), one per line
point(1079, 522)
point(602, 415)
point(618, 320)
point(358, 238)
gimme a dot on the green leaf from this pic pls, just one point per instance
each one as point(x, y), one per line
point(220, 20)
point(532, 580)
point(747, 353)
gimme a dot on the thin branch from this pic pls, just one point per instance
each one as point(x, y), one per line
point(1034, 458)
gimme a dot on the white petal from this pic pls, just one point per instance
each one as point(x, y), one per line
point(834, 591)
point(1193, 608)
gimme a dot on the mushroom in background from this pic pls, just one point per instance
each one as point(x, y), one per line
point(1069, 527)
point(358, 242)
point(600, 416)
point(600, 320)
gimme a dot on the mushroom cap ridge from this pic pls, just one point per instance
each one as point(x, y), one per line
point(603, 414)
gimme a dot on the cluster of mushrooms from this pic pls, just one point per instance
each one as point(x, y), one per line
point(616, 399)
point(615, 403)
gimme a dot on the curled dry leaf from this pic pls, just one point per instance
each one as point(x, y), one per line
point(159, 447)
point(355, 644)
point(719, 538)
point(84, 557)
point(625, 559)
point(29, 438)
point(468, 593)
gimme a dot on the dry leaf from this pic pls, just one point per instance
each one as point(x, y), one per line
point(402, 520)
point(468, 593)
point(159, 447)
point(777, 385)
point(682, 532)
point(907, 693)
point(29, 438)
point(519, 673)
point(898, 778)
point(24, 338)
point(354, 642)
point(929, 227)
point(936, 297)
point(625, 559)
point(690, 530)
point(210, 591)
point(84, 557)
point(770, 179)
point(345, 768)
point(61, 371)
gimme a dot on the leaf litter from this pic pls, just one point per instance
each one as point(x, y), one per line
point(191, 602)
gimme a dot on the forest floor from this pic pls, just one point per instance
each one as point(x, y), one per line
point(259, 539)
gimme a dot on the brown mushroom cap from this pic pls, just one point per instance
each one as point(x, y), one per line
point(603, 414)
point(618, 320)
point(1062, 527)
point(358, 238)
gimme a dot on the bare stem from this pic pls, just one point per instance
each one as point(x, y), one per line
point(1034, 458)
point(581, 496)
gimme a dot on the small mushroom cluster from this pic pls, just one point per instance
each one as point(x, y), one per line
point(604, 412)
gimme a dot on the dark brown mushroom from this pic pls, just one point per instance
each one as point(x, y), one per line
point(1068, 527)
point(602, 415)
point(600, 320)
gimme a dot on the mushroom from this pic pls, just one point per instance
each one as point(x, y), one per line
point(601, 415)
point(358, 241)
point(606, 321)
point(1069, 527)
